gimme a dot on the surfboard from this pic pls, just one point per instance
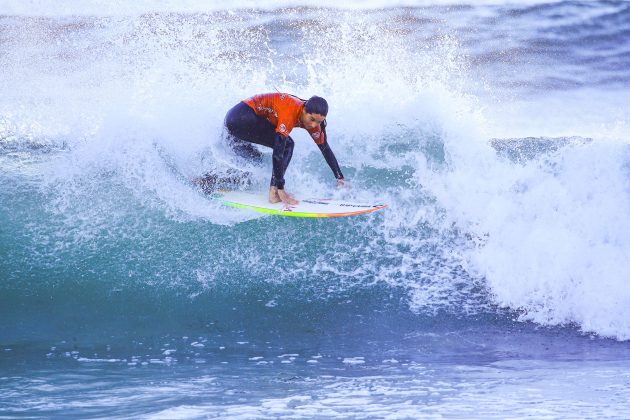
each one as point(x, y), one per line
point(310, 207)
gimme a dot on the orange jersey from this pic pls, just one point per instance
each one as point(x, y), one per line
point(283, 112)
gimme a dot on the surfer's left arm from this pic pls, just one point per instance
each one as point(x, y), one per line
point(321, 139)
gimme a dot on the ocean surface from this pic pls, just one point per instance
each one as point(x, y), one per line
point(495, 285)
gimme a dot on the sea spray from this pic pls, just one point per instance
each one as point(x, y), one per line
point(130, 106)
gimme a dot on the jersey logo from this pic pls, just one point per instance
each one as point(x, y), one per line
point(267, 110)
point(315, 135)
point(283, 128)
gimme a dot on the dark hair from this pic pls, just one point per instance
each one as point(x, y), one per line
point(316, 105)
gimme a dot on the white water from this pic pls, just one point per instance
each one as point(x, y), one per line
point(136, 95)
point(121, 7)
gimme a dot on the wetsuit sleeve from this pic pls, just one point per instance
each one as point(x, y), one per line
point(279, 145)
point(329, 155)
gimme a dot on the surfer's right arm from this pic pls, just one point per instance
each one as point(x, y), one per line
point(281, 151)
point(277, 159)
point(320, 137)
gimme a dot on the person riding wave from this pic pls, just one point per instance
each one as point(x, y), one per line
point(268, 119)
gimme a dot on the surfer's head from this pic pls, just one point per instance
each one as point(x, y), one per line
point(316, 105)
point(314, 112)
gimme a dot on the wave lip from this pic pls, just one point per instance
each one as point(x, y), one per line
point(556, 247)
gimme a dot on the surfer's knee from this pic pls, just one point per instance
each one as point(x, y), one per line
point(231, 118)
point(238, 117)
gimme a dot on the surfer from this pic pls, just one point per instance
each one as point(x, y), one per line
point(267, 120)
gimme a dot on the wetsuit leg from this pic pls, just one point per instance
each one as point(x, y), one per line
point(244, 149)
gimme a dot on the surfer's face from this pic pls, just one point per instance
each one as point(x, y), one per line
point(310, 121)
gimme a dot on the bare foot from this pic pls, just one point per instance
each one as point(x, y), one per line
point(287, 198)
point(273, 195)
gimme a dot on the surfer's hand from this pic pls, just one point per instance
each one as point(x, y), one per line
point(342, 183)
point(287, 198)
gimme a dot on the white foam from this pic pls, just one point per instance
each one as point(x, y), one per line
point(358, 360)
point(552, 232)
point(140, 101)
point(120, 7)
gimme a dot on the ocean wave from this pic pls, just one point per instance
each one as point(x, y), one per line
point(525, 225)
point(107, 8)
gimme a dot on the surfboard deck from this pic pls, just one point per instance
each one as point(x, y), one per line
point(314, 208)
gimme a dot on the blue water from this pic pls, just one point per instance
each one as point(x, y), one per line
point(494, 285)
